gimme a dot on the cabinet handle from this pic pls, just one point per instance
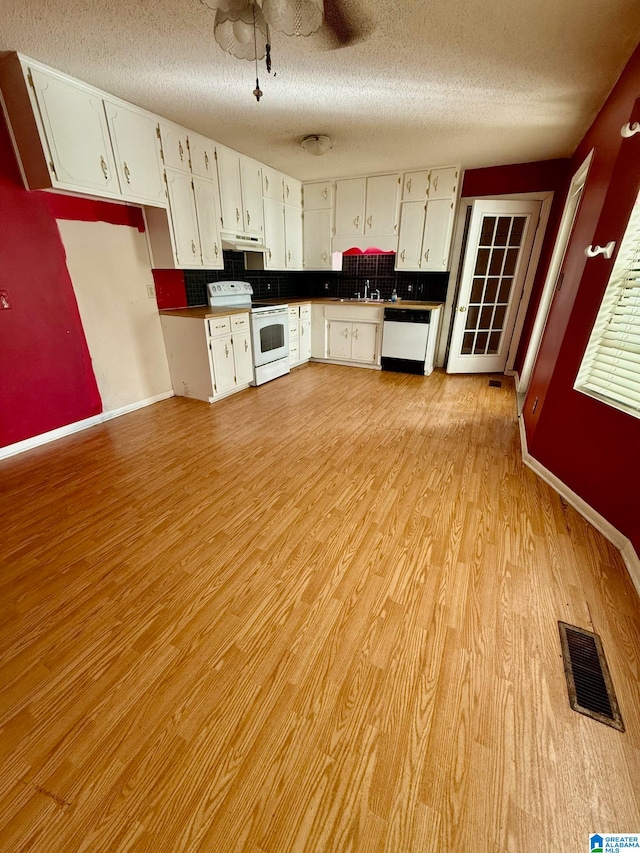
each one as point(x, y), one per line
point(356, 221)
point(395, 227)
point(266, 183)
point(324, 256)
point(269, 254)
point(409, 185)
point(435, 183)
point(193, 247)
point(127, 173)
point(105, 170)
point(180, 150)
point(355, 334)
point(206, 161)
point(325, 193)
point(287, 191)
point(226, 351)
point(370, 221)
point(289, 256)
point(246, 345)
point(248, 218)
point(426, 255)
point(402, 254)
point(237, 215)
point(302, 331)
point(346, 333)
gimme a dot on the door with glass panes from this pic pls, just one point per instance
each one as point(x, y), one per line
point(495, 266)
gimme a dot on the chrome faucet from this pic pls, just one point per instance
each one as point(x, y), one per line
point(375, 294)
point(366, 289)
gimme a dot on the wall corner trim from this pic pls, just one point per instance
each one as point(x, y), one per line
point(78, 426)
point(618, 539)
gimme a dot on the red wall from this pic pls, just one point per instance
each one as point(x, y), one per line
point(577, 438)
point(47, 377)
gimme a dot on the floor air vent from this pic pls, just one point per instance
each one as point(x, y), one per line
point(588, 680)
point(495, 383)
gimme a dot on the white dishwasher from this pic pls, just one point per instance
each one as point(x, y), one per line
point(405, 340)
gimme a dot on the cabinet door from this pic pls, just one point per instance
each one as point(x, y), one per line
point(437, 234)
point(223, 365)
point(175, 146)
point(202, 156)
point(134, 135)
point(292, 191)
point(318, 196)
point(350, 206)
point(382, 205)
point(274, 239)
point(272, 184)
point(208, 223)
point(304, 341)
point(443, 183)
point(415, 186)
point(184, 221)
point(293, 236)
point(317, 239)
point(411, 233)
point(242, 357)
point(230, 189)
point(364, 339)
point(75, 127)
point(251, 180)
point(339, 339)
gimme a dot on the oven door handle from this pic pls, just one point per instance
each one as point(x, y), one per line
point(275, 313)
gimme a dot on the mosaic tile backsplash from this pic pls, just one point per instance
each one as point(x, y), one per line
point(356, 269)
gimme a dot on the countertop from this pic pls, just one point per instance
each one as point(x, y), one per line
point(202, 312)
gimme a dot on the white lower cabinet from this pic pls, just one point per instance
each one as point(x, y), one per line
point(209, 358)
point(299, 334)
point(348, 341)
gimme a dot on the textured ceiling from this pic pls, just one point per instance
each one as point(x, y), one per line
point(443, 82)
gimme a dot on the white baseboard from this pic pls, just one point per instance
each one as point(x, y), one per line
point(618, 539)
point(78, 426)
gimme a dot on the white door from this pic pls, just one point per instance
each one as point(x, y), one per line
point(251, 179)
point(230, 189)
point(443, 183)
point(416, 185)
point(350, 206)
point(223, 366)
point(304, 345)
point(293, 236)
point(339, 339)
point(274, 235)
point(318, 196)
point(493, 274)
point(207, 212)
point(437, 235)
point(202, 156)
point(136, 146)
point(242, 357)
point(175, 147)
point(364, 337)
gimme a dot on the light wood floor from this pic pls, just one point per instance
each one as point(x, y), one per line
point(318, 616)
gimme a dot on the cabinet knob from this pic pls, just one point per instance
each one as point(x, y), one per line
point(324, 256)
point(103, 166)
point(127, 173)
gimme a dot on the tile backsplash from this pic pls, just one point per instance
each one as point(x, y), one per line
point(356, 270)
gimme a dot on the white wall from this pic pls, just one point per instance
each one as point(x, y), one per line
point(110, 271)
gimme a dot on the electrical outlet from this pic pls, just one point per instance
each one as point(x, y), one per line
point(326, 285)
point(151, 291)
point(4, 299)
point(409, 288)
point(268, 285)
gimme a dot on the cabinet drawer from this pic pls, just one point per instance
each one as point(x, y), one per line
point(305, 312)
point(219, 326)
point(293, 352)
point(293, 312)
point(239, 321)
point(293, 330)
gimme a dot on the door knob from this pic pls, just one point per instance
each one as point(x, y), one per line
point(462, 308)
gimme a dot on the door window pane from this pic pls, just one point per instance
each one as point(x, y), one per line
point(472, 317)
point(485, 317)
point(494, 343)
point(516, 230)
point(497, 257)
point(505, 289)
point(498, 317)
point(488, 227)
point(467, 343)
point(502, 231)
point(510, 262)
point(481, 343)
point(482, 262)
point(492, 289)
point(476, 290)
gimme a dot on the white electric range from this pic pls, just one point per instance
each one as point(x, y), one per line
point(269, 327)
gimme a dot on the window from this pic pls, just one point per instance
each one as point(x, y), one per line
point(610, 369)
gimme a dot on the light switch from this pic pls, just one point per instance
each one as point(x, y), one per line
point(151, 291)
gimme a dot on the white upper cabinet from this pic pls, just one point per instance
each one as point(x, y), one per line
point(72, 126)
point(318, 196)
point(175, 146)
point(293, 236)
point(350, 195)
point(205, 194)
point(411, 233)
point(184, 219)
point(230, 189)
point(134, 134)
point(274, 237)
point(437, 235)
point(381, 214)
point(202, 156)
point(272, 184)
point(292, 191)
point(367, 206)
point(415, 186)
point(251, 182)
point(443, 183)
point(317, 239)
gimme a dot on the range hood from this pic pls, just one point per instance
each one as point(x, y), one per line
point(241, 242)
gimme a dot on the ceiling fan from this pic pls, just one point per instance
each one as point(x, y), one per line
point(243, 27)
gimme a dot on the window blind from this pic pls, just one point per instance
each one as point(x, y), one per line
point(610, 368)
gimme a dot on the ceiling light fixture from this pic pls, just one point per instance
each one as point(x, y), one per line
point(317, 145)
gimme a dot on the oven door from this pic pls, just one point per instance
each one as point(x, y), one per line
point(270, 336)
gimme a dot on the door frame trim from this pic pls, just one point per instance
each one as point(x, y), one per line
point(457, 259)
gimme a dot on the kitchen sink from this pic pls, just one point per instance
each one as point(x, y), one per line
point(362, 301)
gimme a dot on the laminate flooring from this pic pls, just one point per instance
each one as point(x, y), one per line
point(320, 615)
